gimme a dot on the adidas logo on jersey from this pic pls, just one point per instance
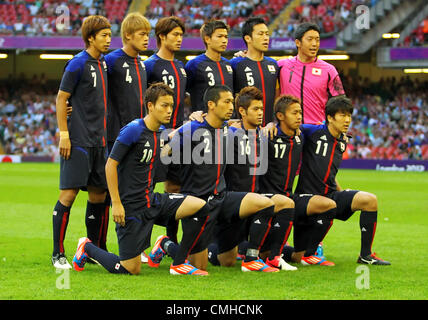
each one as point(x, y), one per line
point(323, 138)
point(279, 140)
point(208, 69)
point(92, 68)
point(319, 221)
point(165, 72)
point(277, 225)
point(147, 144)
point(125, 65)
point(248, 69)
point(257, 221)
point(363, 229)
point(92, 217)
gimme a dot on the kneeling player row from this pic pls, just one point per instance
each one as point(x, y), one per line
point(214, 206)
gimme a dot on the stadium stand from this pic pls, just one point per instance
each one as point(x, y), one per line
point(388, 121)
point(32, 17)
point(330, 15)
point(418, 37)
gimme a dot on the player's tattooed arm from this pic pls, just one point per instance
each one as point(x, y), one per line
point(118, 210)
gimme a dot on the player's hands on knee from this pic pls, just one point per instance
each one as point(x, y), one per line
point(118, 212)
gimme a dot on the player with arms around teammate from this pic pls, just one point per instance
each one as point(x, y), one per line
point(209, 68)
point(310, 79)
point(136, 208)
point(83, 138)
point(202, 150)
point(127, 75)
point(163, 67)
point(255, 69)
point(313, 213)
point(127, 82)
point(322, 155)
point(243, 175)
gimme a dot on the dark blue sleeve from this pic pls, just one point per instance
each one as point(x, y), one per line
point(149, 64)
point(72, 74)
point(234, 62)
point(130, 133)
point(111, 60)
point(309, 129)
point(189, 68)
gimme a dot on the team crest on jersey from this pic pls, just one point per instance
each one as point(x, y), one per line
point(183, 72)
point(316, 71)
point(142, 65)
point(225, 131)
point(162, 143)
point(342, 147)
point(229, 69)
point(297, 139)
point(271, 68)
point(105, 65)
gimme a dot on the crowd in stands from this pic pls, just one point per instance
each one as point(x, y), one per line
point(27, 116)
point(390, 117)
point(418, 37)
point(233, 12)
point(331, 15)
point(45, 18)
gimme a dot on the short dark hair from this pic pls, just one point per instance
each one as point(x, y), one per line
point(165, 25)
point(338, 104)
point(305, 27)
point(213, 93)
point(156, 90)
point(210, 27)
point(247, 28)
point(92, 25)
point(283, 102)
point(245, 96)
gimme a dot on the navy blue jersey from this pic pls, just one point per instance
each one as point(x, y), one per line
point(137, 149)
point(321, 158)
point(202, 73)
point(127, 83)
point(242, 173)
point(85, 78)
point(260, 74)
point(202, 158)
point(284, 153)
point(171, 73)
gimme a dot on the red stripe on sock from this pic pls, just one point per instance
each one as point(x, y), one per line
point(62, 231)
point(267, 231)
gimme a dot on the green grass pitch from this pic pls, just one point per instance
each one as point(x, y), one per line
point(28, 193)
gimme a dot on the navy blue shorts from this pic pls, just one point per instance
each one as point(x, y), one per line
point(223, 212)
point(85, 167)
point(135, 236)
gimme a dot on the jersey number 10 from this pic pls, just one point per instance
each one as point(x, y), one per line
point(147, 155)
